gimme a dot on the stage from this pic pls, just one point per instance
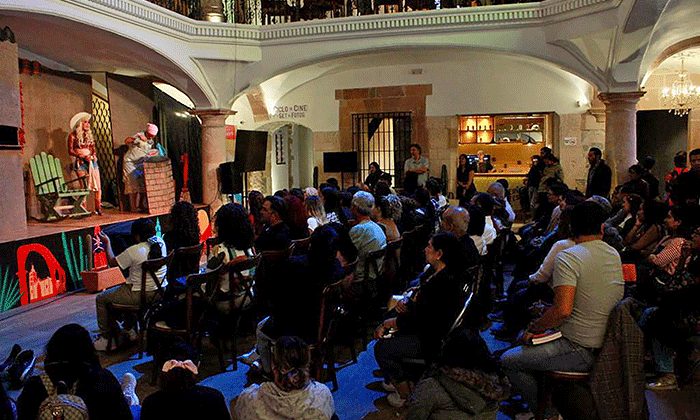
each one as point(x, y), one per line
point(47, 259)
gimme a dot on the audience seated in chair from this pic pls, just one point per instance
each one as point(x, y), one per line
point(71, 358)
point(646, 233)
point(276, 234)
point(386, 213)
point(455, 220)
point(148, 246)
point(235, 242)
point(184, 233)
point(486, 203)
point(296, 217)
point(536, 289)
point(179, 395)
point(587, 284)
point(296, 298)
point(424, 318)
point(291, 394)
point(366, 235)
point(675, 316)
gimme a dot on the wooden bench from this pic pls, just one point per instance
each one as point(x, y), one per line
point(52, 190)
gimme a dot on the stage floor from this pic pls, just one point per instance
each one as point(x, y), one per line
point(37, 228)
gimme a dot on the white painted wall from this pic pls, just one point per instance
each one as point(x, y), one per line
point(486, 83)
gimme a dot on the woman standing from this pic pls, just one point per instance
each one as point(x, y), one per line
point(81, 145)
point(465, 179)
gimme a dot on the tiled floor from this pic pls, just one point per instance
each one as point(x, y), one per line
point(357, 398)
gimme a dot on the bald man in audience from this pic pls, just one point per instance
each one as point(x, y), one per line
point(456, 221)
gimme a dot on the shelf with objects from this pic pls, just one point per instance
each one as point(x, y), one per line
point(507, 142)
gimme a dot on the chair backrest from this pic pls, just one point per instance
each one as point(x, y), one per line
point(211, 243)
point(460, 318)
point(150, 267)
point(239, 274)
point(48, 173)
point(299, 246)
point(269, 267)
point(186, 260)
point(210, 280)
point(374, 261)
point(392, 259)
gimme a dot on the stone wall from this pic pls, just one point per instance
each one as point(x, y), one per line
point(160, 186)
point(443, 147)
point(577, 134)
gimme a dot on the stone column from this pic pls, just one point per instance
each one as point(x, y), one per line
point(213, 151)
point(620, 131)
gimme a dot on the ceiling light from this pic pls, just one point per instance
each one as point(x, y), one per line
point(682, 95)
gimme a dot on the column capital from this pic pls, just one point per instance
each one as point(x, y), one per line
point(212, 112)
point(619, 101)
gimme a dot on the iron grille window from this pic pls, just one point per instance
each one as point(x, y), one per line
point(102, 132)
point(383, 138)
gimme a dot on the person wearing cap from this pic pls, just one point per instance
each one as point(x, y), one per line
point(141, 145)
point(81, 145)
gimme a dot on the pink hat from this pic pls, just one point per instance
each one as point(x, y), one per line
point(151, 129)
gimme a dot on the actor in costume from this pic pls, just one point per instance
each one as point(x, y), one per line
point(81, 145)
point(141, 145)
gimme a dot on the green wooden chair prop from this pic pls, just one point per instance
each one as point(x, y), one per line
point(52, 190)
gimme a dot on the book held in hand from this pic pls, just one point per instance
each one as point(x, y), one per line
point(545, 337)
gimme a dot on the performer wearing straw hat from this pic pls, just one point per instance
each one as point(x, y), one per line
point(81, 145)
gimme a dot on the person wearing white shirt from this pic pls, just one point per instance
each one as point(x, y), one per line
point(148, 246)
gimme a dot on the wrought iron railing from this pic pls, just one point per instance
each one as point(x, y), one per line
point(265, 12)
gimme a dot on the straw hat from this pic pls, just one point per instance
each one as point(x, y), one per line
point(77, 118)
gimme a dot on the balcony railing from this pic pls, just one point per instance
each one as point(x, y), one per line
point(266, 12)
point(190, 8)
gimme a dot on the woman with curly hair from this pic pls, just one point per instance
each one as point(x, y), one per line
point(291, 394)
point(184, 233)
point(235, 234)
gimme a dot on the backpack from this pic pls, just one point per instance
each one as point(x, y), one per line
point(61, 406)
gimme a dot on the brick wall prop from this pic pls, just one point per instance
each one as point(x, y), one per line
point(160, 185)
point(99, 280)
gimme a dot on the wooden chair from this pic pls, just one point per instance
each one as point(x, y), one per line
point(204, 288)
point(240, 292)
point(185, 261)
point(148, 267)
point(469, 298)
point(323, 351)
point(52, 189)
point(211, 243)
point(392, 262)
point(496, 252)
point(270, 266)
point(299, 246)
point(544, 398)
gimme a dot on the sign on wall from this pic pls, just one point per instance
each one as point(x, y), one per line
point(284, 112)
